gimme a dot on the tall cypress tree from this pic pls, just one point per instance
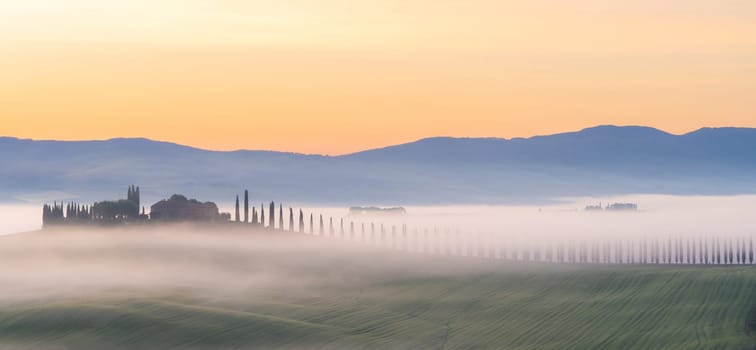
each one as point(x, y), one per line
point(262, 214)
point(321, 224)
point(236, 213)
point(246, 206)
point(312, 225)
point(743, 250)
point(700, 251)
point(291, 219)
point(272, 215)
point(750, 251)
point(280, 217)
point(658, 252)
point(301, 221)
point(687, 251)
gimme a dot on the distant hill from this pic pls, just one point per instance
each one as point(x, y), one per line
point(604, 160)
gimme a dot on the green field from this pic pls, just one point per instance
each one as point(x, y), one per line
point(481, 305)
point(552, 308)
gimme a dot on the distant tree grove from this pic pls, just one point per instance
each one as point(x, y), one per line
point(711, 250)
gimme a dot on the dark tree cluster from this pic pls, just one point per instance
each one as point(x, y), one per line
point(180, 208)
point(70, 214)
point(115, 211)
point(132, 195)
point(105, 212)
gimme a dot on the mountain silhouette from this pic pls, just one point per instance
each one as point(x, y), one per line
point(603, 160)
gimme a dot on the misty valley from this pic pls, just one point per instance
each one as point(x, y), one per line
point(372, 174)
point(519, 277)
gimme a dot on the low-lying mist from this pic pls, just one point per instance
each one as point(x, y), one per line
point(181, 261)
point(213, 262)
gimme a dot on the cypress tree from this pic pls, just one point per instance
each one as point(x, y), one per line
point(312, 225)
point(341, 230)
point(291, 219)
point(330, 226)
point(404, 237)
point(750, 251)
point(301, 221)
point(687, 251)
point(698, 253)
point(321, 225)
point(246, 206)
point(679, 250)
point(621, 252)
point(236, 213)
point(393, 235)
point(745, 254)
point(262, 214)
point(657, 252)
point(280, 217)
point(742, 251)
point(272, 215)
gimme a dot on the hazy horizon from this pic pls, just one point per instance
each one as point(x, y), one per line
point(662, 214)
point(557, 132)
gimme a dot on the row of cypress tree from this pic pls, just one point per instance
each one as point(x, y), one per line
point(72, 212)
point(711, 250)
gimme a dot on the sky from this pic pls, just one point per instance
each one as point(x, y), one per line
point(337, 76)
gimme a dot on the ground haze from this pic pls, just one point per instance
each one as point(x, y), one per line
point(188, 288)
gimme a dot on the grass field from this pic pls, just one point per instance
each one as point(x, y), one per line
point(458, 303)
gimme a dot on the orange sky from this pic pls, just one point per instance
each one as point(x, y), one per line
point(335, 76)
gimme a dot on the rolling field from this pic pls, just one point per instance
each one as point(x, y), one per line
point(390, 301)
